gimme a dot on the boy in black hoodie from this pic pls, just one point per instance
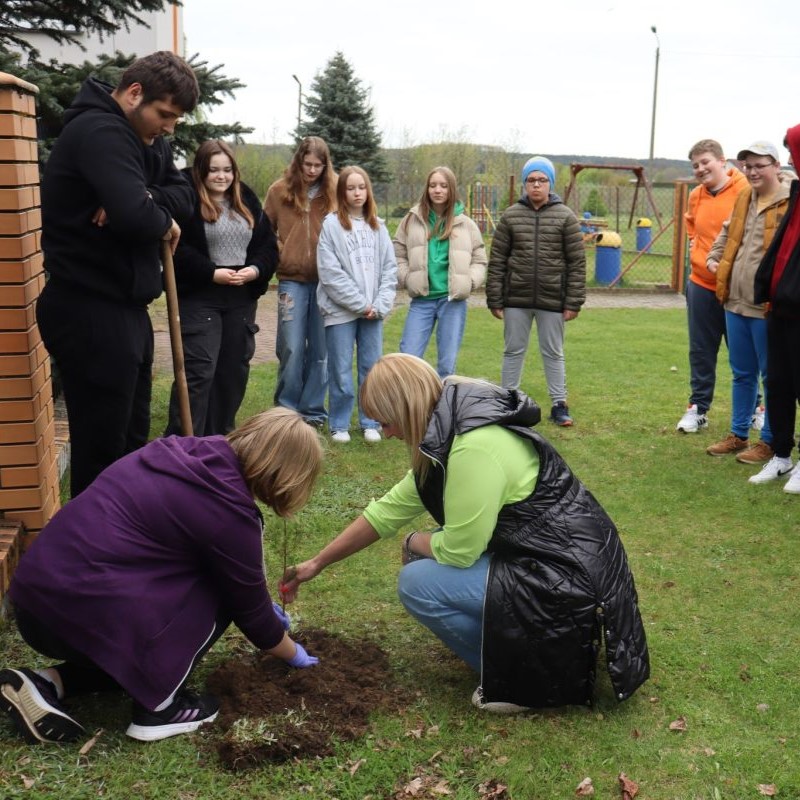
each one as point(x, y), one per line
point(110, 195)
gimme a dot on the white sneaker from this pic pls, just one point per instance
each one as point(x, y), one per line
point(691, 421)
point(773, 469)
point(496, 707)
point(343, 437)
point(793, 484)
point(757, 423)
point(371, 435)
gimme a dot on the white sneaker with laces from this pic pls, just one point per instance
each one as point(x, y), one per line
point(371, 435)
point(342, 437)
point(758, 419)
point(691, 421)
point(773, 469)
point(793, 484)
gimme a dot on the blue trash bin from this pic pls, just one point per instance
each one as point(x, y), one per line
point(644, 234)
point(608, 257)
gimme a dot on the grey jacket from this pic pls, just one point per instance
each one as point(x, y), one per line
point(537, 259)
point(341, 292)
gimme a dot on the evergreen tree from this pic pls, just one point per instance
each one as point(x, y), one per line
point(338, 111)
point(58, 85)
point(65, 20)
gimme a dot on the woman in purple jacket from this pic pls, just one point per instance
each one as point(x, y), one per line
point(132, 582)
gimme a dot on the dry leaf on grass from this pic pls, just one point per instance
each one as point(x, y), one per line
point(767, 789)
point(493, 790)
point(678, 724)
point(413, 787)
point(629, 788)
point(585, 788)
point(27, 782)
point(90, 743)
point(354, 766)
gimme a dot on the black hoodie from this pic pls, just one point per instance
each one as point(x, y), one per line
point(99, 161)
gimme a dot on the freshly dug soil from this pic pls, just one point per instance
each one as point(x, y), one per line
point(270, 712)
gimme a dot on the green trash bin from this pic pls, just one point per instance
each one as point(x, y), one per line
point(644, 234)
point(608, 257)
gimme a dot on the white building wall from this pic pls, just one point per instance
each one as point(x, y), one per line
point(165, 33)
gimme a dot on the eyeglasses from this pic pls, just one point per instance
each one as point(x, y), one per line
point(537, 181)
point(309, 166)
point(757, 167)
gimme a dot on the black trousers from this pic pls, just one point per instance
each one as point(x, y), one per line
point(783, 381)
point(218, 344)
point(104, 352)
point(78, 673)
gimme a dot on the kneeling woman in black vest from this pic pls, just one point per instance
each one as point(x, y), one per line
point(526, 571)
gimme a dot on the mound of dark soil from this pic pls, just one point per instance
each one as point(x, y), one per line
point(270, 712)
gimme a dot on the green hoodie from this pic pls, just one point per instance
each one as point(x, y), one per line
point(439, 258)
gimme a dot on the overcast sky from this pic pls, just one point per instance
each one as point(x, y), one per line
point(563, 76)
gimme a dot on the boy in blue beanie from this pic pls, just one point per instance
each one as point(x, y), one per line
point(537, 270)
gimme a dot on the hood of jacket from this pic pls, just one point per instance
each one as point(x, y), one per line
point(468, 404)
point(94, 95)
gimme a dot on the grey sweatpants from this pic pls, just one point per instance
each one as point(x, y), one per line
point(550, 329)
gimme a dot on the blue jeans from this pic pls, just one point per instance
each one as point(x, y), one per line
point(706, 319)
point(366, 335)
point(449, 317)
point(449, 602)
point(747, 353)
point(301, 351)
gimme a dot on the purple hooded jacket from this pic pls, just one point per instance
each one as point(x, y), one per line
point(134, 571)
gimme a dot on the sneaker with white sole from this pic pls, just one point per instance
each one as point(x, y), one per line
point(757, 423)
point(793, 484)
point(496, 707)
point(773, 469)
point(692, 421)
point(33, 703)
point(371, 435)
point(187, 712)
point(342, 437)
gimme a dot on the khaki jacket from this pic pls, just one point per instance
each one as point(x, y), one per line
point(298, 234)
point(741, 245)
point(467, 256)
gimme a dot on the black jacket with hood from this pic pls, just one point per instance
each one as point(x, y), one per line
point(194, 269)
point(786, 300)
point(99, 161)
point(558, 576)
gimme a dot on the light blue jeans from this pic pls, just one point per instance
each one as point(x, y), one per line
point(449, 602)
point(449, 317)
point(366, 335)
point(747, 354)
point(301, 351)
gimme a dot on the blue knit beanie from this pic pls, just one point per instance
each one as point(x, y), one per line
point(540, 164)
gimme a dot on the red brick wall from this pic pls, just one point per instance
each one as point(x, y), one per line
point(29, 479)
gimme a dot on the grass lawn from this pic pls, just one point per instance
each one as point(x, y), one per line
point(716, 561)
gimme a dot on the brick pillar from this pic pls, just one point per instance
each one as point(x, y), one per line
point(29, 476)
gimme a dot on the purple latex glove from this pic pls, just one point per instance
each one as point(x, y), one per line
point(301, 659)
point(285, 619)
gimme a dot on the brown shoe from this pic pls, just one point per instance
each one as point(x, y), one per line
point(759, 453)
point(730, 444)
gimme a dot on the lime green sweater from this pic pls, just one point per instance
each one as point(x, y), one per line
point(488, 468)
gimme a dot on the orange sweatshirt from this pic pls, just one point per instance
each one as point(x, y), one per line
point(704, 221)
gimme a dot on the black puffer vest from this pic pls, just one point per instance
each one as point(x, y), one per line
point(559, 576)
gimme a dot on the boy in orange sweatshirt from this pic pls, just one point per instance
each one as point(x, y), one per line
point(710, 204)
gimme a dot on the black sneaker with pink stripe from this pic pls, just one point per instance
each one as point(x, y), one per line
point(185, 714)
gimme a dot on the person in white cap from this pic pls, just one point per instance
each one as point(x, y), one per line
point(734, 258)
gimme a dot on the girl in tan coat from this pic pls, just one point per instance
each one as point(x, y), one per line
point(441, 258)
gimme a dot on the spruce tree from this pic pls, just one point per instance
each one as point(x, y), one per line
point(337, 109)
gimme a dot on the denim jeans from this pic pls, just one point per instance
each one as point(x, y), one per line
point(706, 319)
point(747, 353)
point(449, 602)
point(366, 335)
point(301, 351)
point(449, 317)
